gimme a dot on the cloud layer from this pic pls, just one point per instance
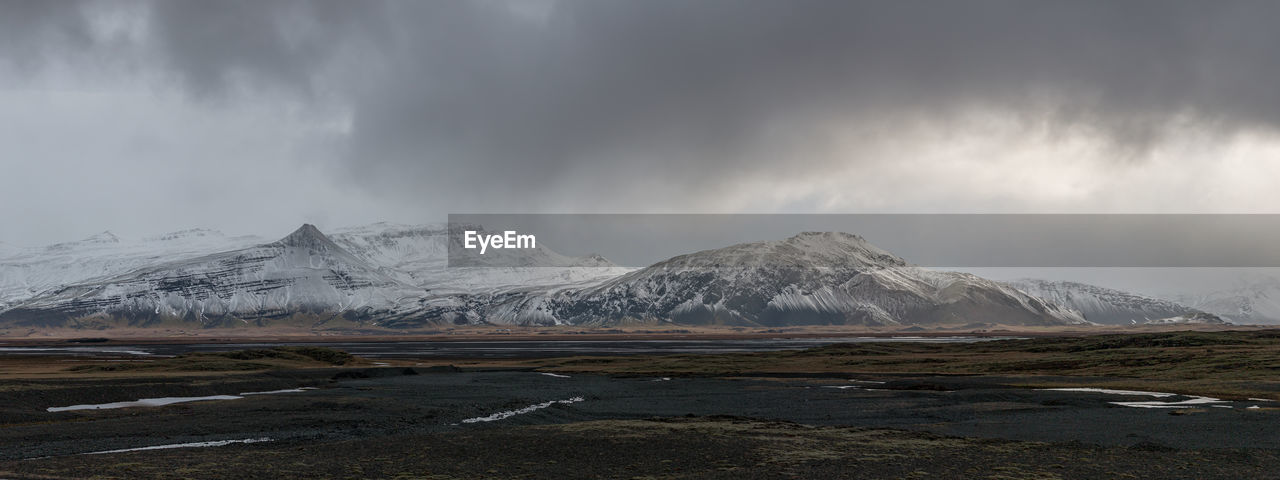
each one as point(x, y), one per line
point(416, 109)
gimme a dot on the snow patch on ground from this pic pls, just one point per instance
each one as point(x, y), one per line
point(162, 401)
point(511, 413)
point(145, 402)
point(286, 390)
point(1114, 392)
point(75, 350)
point(215, 443)
point(1191, 401)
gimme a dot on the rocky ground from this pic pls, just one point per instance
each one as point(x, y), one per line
point(824, 413)
point(680, 448)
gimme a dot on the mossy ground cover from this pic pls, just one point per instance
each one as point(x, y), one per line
point(232, 361)
point(1229, 364)
point(679, 448)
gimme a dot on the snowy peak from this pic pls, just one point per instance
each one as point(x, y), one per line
point(104, 237)
point(826, 236)
point(808, 249)
point(303, 273)
point(594, 260)
point(814, 278)
point(186, 234)
point(309, 237)
point(838, 246)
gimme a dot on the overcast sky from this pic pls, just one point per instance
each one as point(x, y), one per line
point(255, 116)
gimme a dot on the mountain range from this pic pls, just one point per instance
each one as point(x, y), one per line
point(814, 278)
point(1109, 306)
point(1254, 301)
point(397, 277)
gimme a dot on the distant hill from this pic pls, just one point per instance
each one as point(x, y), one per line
point(396, 276)
point(1103, 305)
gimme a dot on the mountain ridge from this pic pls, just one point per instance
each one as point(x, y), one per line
point(303, 272)
point(397, 276)
point(1257, 301)
point(1104, 305)
point(817, 278)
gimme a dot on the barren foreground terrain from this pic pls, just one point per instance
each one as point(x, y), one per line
point(996, 409)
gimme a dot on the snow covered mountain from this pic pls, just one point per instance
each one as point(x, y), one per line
point(28, 272)
point(304, 273)
point(1104, 305)
point(811, 278)
point(419, 255)
point(380, 272)
point(397, 276)
point(1257, 301)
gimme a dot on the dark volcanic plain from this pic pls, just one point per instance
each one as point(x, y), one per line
point(872, 410)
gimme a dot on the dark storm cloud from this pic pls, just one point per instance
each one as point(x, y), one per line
point(552, 105)
point(692, 95)
point(281, 43)
point(32, 29)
